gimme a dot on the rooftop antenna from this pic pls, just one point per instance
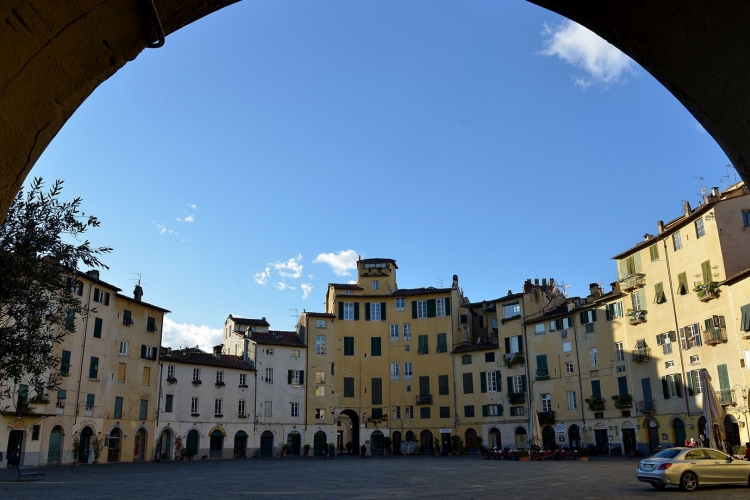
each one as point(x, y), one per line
point(703, 190)
point(440, 280)
point(731, 172)
point(138, 280)
point(295, 315)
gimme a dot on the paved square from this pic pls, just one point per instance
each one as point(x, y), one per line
point(349, 477)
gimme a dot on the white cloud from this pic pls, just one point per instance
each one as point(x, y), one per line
point(283, 286)
point(164, 230)
point(177, 335)
point(189, 218)
point(601, 61)
point(192, 205)
point(311, 276)
point(262, 278)
point(306, 288)
point(292, 265)
point(352, 282)
point(341, 263)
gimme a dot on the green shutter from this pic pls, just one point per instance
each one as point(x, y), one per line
point(414, 309)
point(622, 385)
point(448, 306)
point(582, 317)
point(356, 310)
point(507, 345)
point(94, 367)
point(348, 346)
point(541, 362)
point(98, 328)
point(654, 251)
point(482, 381)
point(289, 377)
point(497, 378)
point(706, 270)
point(596, 388)
point(375, 346)
point(691, 392)
point(608, 312)
point(593, 315)
point(745, 321)
point(485, 411)
point(678, 384)
point(62, 394)
point(665, 387)
point(523, 383)
point(723, 377)
point(431, 308)
point(302, 377)
point(90, 398)
point(510, 385)
point(382, 311)
point(341, 310)
point(367, 311)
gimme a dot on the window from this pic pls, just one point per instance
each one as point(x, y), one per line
point(70, 319)
point(568, 367)
point(421, 309)
point(566, 347)
point(295, 353)
point(613, 311)
point(407, 332)
point(98, 323)
point(127, 318)
point(468, 380)
point(513, 344)
point(170, 371)
point(320, 344)
point(75, 287)
point(349, 311)
point(377, 311)
point(295, 409)
point(669, 364)
point(690, 336)
point(672, 385)
point(407, 371)
point(442, 343)
point(241, 407)
point(638, 299)
point(695, 360)
point(123, 347)
point(694, 382)
point(118, 407)
point(377, 391)
point(424, 412)
point(151, 324)
point(594, 361)
point(400, 304)
point(320, 377)
point(217, 406)
point(517, 384)
point(168, 401)
point(708, 274)
point(396, 412)
point(572, 404)
point(440, 307)
point(654, 251)
point(466, 359)
point(320, 413)
point(348, 387)
point(587, 317)
point(665, 340)
point(407, 348)
point(546, 402)
point(146, 377)
point(494, 324)
point(619, 353)
point(677, 241)
point(268, 409)
point(659, 295)
point(443, 385)
point(682, 284)
point(269, 376)
point(539, 329)
point(445, 412)
point(511, 310)
point(375, 284)
point(268, 350)
point(196, 374)
point(492, 381)
point(121, 367)
point(65, 363)
point(148, 352)
point(101, 297)
point(497, 410)
point(423, 348)
point(90, 399)
point(348, 346)
point(94, 367)
point(194, 406)
point(469, 411)
point(409, 412)
point(320, 323)
point(746, 218)
point(143, 413)
point(620, 369)
point(516, 411)
point(243, 380)
point(394, 333)
point(395, 371)
point(375, 346)
point(700, 231)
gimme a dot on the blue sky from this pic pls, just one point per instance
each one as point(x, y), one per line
point(243, 166)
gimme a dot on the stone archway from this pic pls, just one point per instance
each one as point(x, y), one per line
point(166, 444)
point(54, 452)
point(350, 422)
point(114, 445)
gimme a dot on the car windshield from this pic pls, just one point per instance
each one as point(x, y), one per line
point(671, 453)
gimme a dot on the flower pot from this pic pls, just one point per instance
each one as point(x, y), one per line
point(583, 459)
point(524, 459)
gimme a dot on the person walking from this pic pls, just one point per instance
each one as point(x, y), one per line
point(332, 450)
point(692, 443)
point(363, 450)
point(703, 441)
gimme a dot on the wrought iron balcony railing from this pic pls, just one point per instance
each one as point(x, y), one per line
point(715, 335)
point(646, 406)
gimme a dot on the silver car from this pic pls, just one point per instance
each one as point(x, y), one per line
point(689, 467)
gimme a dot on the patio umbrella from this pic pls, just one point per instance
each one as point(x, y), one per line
point(535, 429)
point(712, 411)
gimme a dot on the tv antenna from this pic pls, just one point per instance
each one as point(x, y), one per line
point(295, 315)
point(440, 280)
point(731, 172)
point(138, 280)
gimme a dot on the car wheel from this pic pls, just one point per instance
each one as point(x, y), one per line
point(659, 486)
point(689, 481)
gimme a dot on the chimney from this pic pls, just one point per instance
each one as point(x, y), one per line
point(595, 290)
point(544, 281)
point(536, 282)
point(647, 237)
point(217, 351)
point(686, 208)
point(94, 273)
point(715, 193)
point(138, 293)
point(455, 282)
point(186, 351)
point(660, 226)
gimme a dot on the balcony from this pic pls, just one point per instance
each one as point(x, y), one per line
point(625, 401)
point(542, 374)
point(641, 354)
point(637, 317)
point(514, 358)
point(726, 397)
point(517, 397)
point(632, 282)
point(546, 417)
point(424, 399)
point(715, 335)
point(595, 404)
point(707, 291)
point(646, 406)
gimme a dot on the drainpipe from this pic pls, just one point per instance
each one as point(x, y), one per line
point(159, 392)
point(83, 350)
point(578, 362)
point(528, 361)
point(453, 362)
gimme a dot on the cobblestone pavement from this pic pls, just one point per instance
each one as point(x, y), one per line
point(349, 477)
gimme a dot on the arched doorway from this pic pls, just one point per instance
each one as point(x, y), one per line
point(294, 440)
point(54, 454)
point(320, 441)
point(192, 443)
point(350, 427)
point(425, 442)
point(732, 431)
point(113, 448)
point(376, 443)
point(574, 437)
point(628, 438)
point(266, 444)
point(678, 427)
point(216, 444)
point(652, 427)
point(85, 444)
point(240, 444)
point(548, 438)
point(15, 447)
point(139, 445)
point(601, 439)
point(521, 436)
point(396, 436)
point(165, 445)
point(410, 436)
point(471, 441)
point(496, 443)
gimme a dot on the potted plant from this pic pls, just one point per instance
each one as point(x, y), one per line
point(178, 447)
point(387, 444)
point(204, 457)
point(595, 403)
point(284, 449)
point(583, 454)
point(625, 401)
point(307, 449)
point(189, 454)
point(455, 444)
point(76, 449)
point(484, 452)
point(171, 380)
point(96, 447)
point(436, 443)
point(523, 456)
